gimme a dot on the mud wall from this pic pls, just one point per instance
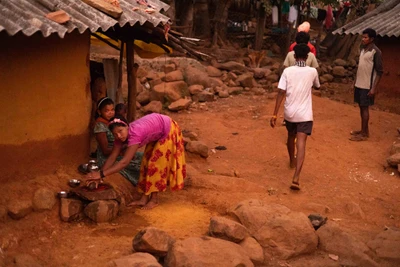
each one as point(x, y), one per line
point(45, 102)
point(390, 81)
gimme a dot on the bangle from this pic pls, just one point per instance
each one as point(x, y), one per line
point(274, 117)
point(102, 174)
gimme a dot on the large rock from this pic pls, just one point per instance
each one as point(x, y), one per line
point(246, 80)
point(203, 96)
point(196, 76)
point(180, 104)
point(340, 62)
point(71, 209)
point(235, 90)
point(230, 66)
point(253, 250)
point(386, 245)
point(195, 89)
point(152, 240)
point(18, 209)
point(395, 149)
point(43, 199)
point(227, 229)
point(143, 98)
point(174, 76)
point(328, 77)
point(213, 71)
point(282, 232)
point(102, 210)
point(207, 252)
point(197, 147)
point(260, 73)
point(394, 160)
point(135, 260)
point(351, 251)
point(339, 71)
point(25, 260)
point(172, 91)
point(153, 107)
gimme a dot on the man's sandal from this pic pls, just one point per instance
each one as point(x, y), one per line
point(295, 186)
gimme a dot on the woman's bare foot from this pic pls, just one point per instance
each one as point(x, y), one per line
point(151, 204)
point(141, 202)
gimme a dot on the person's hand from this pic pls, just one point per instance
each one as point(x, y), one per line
point(371, 92)
point(93, 177)
point(272, 122)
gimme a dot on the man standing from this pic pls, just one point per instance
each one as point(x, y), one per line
point(296, 84)
point(369, 73)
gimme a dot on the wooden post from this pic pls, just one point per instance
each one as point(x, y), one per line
point(131, 69)
point(118, 96)
point(261, 19)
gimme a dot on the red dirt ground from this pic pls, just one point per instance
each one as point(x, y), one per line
point(336, 172)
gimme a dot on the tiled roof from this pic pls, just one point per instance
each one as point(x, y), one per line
point(28, 16)
point(385, 20)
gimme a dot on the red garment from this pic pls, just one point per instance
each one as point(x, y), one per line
point(329, 17)
point(312, 48)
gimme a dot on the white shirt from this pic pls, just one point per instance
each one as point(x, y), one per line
point(298, 82)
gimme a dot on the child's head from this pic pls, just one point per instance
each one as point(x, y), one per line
point(105, 108)
point(120, 110)
point(119, 127)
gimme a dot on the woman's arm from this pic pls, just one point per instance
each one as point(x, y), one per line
point(128, 156)
point(103, 143)
point(116, 150)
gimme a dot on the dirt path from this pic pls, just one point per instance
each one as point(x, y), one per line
point(347, 181)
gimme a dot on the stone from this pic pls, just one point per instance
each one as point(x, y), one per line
point(195, 89)
point(18, 209)
point(138, 259)
point(206, 252)
point(258, 90)
point(386, 245)
point(395, 149)
point(394, 160)
point(230, 66)
point(71, 209)
point(235, 90)
point(196, 76)
point(180, 104)
point(223, 94)
point(102, 210)
point(3, 214)
point(328, 77)
point(281, 232)
point(253, 250)
point(350, 250)
point(174, 76)
point(153, 107)
point(153, 83)
point(340, 62)
point(272, 78)
point(352, 63)
point(203, 96)
point(213, 71)
point(152, 240)
point(169, 68)
point(43, 199)
point(141, 73)
point(260, 73)
point(197, 147)
point(227, 229)
point(232, 83)
point(25, 260)
point(191, 135)
point(352, 208)
point(246, 79)
point(232, 76)
point(171, 91)
point(339, 71)
point(143, 98)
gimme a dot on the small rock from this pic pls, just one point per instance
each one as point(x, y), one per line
point(135, 260)
point(198, 147)
point(260, 73)
point(213, 72)
point(43, 199)
point(196, 88)
point(25, 260)
point(340, 62)
point(174, 76)
point(102, 210)
point(328, 77)
point(169, 68)
point(235, 90)
point(253, 250)
point(334, 257)
point(71, 209)
point(152, 240)
point(180, 104)
point(191, 135)
point(352, 63)
point(203, 96)
point(317, 220)
point(339, 71)
point(153, 107)
point(246, 80)
point(223, 94)
point(143, 98)
point(18, 209)
point(394, 160)
point(227, 229)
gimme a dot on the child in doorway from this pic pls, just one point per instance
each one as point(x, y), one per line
point(120, 110)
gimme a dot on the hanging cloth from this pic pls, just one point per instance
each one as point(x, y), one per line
point(285, 7)
point(293, 12)
point(275, 15)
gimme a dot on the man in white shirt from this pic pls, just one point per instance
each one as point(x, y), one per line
point(296, 84)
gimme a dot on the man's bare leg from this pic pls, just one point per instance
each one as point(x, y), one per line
point(291, 149)
point(153, 202)
point(364, 111)
point(301, 152)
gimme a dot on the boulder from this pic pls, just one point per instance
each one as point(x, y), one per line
point(195, 89)
point(386, 245)
point(143, 98)
point(340, 62)
point(25, 260)
point(351, 251)
point(172, 91)
point(253, 250)
point(213, 71)
point(43, 199)
point(328, 77)
point(203, 96)
point(246, 79)
point(180, 104)
point(260, 73)
point(174, 76)
point(206, 252)
point(227, 229)
point(394, 160)
point(197, 147)
point(152, 240)
point(18, 209)
point(71, 209)
point(3, 214)
point(102, 210)
point(153, 107)
point(339, 71)
point(155, 82)
point(395, 149)
point(223, 94)
point(169, 68)
point(235, 90)
point(283, 233)
point(135, 260)
point(196, 76)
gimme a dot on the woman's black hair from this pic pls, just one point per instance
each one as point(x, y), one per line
point(104, 101)
point(114, 124)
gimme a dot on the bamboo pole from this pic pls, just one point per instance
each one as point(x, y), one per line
point(118, 95)
point(132, 90)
